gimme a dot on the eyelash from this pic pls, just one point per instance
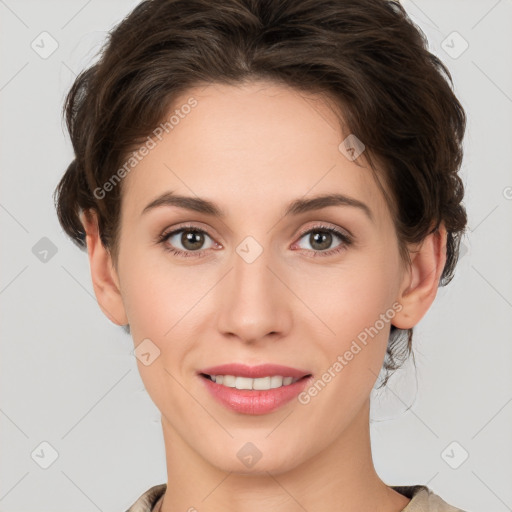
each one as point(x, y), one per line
point(162, 239)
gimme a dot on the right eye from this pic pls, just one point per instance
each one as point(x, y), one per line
point(191, 239)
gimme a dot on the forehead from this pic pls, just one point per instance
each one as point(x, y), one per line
point(248, 146)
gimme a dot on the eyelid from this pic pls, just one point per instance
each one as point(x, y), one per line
point(320, 224)
point(191, 226)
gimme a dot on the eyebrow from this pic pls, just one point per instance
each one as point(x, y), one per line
point(296, 207)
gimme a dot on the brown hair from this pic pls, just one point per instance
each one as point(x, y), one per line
point(367, 55)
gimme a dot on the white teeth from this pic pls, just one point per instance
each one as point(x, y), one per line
point(227, 380)
point(263, 383)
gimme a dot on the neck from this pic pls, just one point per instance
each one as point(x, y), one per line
point(340, 477)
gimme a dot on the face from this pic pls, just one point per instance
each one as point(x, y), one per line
point(257, 285)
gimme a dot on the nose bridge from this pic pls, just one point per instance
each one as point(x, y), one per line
point(253, 304)
point(251, 267)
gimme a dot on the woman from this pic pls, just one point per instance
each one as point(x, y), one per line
point(269, 197)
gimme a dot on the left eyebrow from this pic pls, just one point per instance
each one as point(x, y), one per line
point(323, 201)
point(296, 207)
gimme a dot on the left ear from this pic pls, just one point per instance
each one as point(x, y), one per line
point(419, 286)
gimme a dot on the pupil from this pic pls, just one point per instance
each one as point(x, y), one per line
point(322, 236)
point(192, 240)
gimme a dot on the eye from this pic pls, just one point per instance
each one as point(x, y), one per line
point(190, 238)
point(320, 239)
point(188, 241)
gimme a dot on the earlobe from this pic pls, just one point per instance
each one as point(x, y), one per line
point(104, 277)
point(420, 284)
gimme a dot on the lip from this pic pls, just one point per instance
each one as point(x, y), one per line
point(254, 372)
point(254, 402)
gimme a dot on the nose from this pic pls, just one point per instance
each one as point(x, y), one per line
point(254, 301)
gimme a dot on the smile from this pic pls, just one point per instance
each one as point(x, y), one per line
point(262, 383)
point(241, 394)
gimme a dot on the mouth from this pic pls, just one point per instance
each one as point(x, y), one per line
point(254, 390)
point(259, 378)
point(256, 384)
point(254, 395)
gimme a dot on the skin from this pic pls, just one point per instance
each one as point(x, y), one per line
point(252, 149)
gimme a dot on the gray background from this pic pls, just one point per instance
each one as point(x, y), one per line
point(68, 376)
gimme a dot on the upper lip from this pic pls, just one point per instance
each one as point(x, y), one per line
point(254, 372)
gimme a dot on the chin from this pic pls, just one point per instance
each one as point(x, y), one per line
point(252, 459)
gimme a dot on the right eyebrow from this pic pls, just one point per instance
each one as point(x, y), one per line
point(196, 204)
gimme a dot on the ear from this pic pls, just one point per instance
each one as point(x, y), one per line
point(421, 281)
point(104, 276)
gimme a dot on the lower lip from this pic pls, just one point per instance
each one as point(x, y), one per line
point(254, 402)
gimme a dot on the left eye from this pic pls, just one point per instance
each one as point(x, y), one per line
point(321, 239)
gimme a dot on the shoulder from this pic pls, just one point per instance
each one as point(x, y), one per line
point(148, 499)
point(424, 499)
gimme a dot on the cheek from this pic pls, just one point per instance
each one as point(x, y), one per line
point(161, 297)
point(350, 298)
point(357, 306)
point(359, 311)
point(159, 302)
point(146, 305)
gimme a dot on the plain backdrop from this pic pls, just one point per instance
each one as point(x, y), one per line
point(77, 429)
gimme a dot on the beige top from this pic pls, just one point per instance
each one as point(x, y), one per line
point(422, 500)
